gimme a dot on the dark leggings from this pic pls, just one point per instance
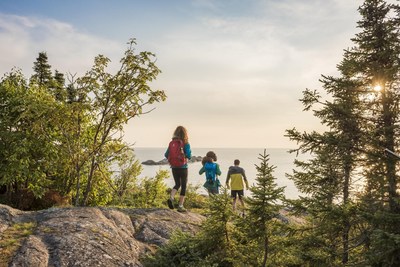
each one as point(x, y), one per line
point(180, 177)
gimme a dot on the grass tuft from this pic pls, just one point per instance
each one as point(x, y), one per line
point(11, 239)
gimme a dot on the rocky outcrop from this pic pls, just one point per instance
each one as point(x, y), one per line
point(84, 236)
point(165, 161)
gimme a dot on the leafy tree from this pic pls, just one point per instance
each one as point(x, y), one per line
point(117, 99)
point(150, 192)
point(29, 118)
point(69, 138)
point(127, 172)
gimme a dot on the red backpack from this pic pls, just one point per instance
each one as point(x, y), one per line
point(176, 156)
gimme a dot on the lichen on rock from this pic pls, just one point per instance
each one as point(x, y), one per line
point(94, 236)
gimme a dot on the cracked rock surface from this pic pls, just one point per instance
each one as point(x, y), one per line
point(94, 236)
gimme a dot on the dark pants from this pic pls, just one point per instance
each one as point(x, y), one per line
point(235, 193)
point(180, 178)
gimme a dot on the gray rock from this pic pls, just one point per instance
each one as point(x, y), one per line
point(94, 236)
point(165, 161)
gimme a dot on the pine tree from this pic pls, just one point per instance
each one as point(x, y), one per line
point(329, 178)
point(42, 70)
point(375, 60)
point(361, 123)
point(216, 241)
point(263, 208)
point(59, 90)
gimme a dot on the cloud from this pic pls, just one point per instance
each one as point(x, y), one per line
point(68, 49)
point(236, 80)
point(233, 71)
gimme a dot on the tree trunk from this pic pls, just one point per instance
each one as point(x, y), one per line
point(390, 161)
point(89, 182)
point(266, 250)
point(346, 223)
point(78, 183)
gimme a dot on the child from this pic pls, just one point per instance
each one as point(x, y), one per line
point(211, 169)
point(236, 174)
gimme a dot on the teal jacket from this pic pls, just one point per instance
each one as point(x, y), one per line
point(217, 170)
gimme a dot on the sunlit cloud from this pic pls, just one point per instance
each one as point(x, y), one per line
point(223, 63)
point(68, 50)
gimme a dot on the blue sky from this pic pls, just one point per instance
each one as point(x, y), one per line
point(233, 70)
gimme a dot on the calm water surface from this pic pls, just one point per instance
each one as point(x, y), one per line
point(279, 157)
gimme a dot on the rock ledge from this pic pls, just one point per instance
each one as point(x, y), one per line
point(94, 236)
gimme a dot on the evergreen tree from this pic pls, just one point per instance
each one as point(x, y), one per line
point(213, 245)
point(361, 123)
point(216, 234)
point(42, 70)
point(375, 60)
point(59, 90)
point(263, 210)
point(329, 178)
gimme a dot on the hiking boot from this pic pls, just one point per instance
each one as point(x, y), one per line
point(181, 209)
point(170, 204)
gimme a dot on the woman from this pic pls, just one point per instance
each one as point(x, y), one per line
point(180, 171)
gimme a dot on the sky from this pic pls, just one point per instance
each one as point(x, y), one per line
point(233, 70)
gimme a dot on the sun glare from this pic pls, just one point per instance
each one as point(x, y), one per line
point(377, 88)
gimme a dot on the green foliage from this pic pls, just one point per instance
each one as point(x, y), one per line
point(263, 208)
point(215, 237)
point(385, 248)
point(194, 200)
point(212, 246)
point(29, 118)
point(227, 239)
point(42, 76)
point(125, 178)
point(68, 138)
point(182, 250)
point(148, 192)
point(118, 98)
point(152, 190)
point(349, 182)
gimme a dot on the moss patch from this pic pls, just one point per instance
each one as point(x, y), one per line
point(11, 239)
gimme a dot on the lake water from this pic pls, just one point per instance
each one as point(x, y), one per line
point(279, 157)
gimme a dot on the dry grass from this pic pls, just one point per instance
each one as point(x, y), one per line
point(11, 239)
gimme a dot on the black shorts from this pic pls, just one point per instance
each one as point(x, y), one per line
point(235, 193)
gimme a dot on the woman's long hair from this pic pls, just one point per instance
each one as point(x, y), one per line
point(181, 133)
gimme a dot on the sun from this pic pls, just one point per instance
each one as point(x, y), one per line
point(377, 88)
